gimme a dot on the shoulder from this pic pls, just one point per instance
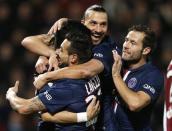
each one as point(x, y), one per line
point(154, 75)
point(107, 45)
point(68, 82)
point(153, 70)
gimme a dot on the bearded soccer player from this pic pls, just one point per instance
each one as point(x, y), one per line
point(141, 85)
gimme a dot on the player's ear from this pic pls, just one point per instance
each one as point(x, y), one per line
point(74, 58)
point(146, 51)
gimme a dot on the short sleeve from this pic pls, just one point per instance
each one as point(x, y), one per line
point(56, 99)
point(152, 83)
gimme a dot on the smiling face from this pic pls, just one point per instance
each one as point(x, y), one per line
point(97, 22)
point(133, 46)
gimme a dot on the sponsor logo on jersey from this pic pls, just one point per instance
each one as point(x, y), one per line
point(50, 84)
point(132, 82)
point(150, 88)
point(98, 55)
point(47, 95)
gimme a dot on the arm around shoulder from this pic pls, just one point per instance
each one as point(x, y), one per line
point(88, 69)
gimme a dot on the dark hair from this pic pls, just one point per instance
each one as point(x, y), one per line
point(97, 8)
point(80, 38)
point(150, 37)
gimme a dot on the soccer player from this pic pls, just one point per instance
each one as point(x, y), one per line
point(65, 94)
point(96, 19)
point(142, 83)
point(168, 100)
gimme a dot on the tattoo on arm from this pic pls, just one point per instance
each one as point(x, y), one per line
point(35, 104)
point(26, 106)
point(49, 39)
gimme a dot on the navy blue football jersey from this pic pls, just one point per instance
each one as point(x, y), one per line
point(103, 53)
point(71, 95)
point(150, 80)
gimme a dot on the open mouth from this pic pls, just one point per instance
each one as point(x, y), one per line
point(97, 35)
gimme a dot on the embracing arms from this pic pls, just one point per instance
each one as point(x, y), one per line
point(88, 69)
point(28, 106)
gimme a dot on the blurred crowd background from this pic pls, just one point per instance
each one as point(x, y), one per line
point(21, 18)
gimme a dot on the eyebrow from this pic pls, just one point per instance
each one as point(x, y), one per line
point(126, 38)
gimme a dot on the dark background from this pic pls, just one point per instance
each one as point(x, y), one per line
point(21, 18)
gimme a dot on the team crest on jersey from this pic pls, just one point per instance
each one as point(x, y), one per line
point(132, 82)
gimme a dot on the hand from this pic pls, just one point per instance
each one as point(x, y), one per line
point(57, 25)
point(40, 81)
point(41, 64)
point(53, 62)
point(93, 109)
point(12, 91)
point(46, 116)
point(116, 68)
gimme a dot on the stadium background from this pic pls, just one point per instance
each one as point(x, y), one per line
point(21, 18)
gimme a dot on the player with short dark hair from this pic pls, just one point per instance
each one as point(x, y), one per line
point(65, 94)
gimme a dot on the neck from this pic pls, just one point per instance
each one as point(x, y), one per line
point(137, 65)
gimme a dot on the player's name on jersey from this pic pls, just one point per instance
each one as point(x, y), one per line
point(92, 85)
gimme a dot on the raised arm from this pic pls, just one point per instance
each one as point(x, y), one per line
point(23, 106)
point(39, 44)
point(42, 45)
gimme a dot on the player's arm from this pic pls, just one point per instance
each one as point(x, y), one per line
point(42, 45)
point(88, 69)
point(23, 106)
point(39, 44)
point(42, 61)
point(57, 25)
point(134, 100)
point(70, 117)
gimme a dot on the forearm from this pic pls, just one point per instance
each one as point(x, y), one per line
point(17, 103)
point(26, 106)
point(61, 117)
point(39, 44)
point(70, 117)
point(86, 70)
point(131, 98)
point(67, 72)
